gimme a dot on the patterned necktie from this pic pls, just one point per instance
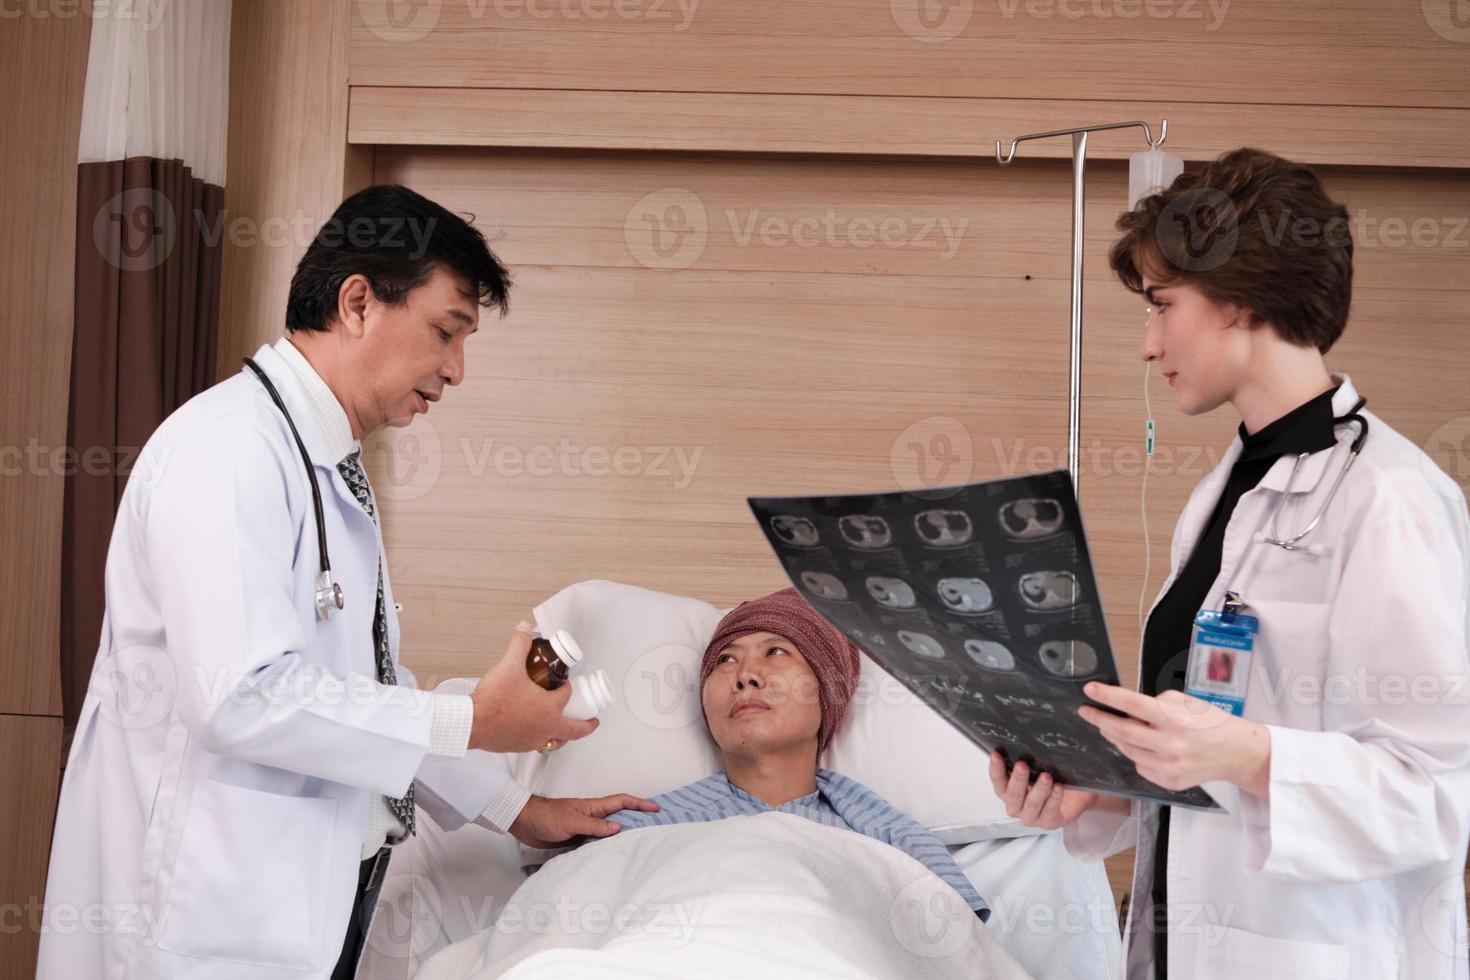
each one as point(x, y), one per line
point(352, 471)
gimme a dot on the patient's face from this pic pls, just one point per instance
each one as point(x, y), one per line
point(762, 697)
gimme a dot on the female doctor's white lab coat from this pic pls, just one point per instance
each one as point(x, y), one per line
point(1353, 867)
point(216, 797)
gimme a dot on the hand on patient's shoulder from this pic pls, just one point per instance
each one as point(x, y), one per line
point(1045, 803)
point(514, 714)
point(544, 823)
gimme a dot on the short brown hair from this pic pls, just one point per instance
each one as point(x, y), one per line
point(1251, 230)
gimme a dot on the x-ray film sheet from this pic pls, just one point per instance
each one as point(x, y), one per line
point(982, 600)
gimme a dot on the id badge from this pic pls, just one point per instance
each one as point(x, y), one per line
point(1219, 669)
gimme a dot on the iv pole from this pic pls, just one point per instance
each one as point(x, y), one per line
point(1079, 164)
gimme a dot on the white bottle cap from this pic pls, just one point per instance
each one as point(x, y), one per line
point(590, 694)
point(566, 648)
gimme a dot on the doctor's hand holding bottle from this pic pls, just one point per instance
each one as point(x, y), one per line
point(514, 714)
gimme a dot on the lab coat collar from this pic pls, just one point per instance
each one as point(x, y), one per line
point(303, 414)
point(1315, 465)
point(330, 417)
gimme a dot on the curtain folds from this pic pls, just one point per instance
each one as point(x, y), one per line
point(150, 226)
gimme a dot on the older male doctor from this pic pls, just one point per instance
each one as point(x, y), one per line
point(247, 756)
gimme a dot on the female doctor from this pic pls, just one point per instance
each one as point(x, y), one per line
point(1345, 779)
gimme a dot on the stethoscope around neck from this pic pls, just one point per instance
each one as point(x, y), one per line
point(1294, 543)
point(328, 593)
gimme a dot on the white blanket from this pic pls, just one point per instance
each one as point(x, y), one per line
point(767, 895)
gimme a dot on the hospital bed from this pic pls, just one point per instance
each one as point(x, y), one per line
point(1053, 915)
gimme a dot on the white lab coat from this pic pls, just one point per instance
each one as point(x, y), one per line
point(216, 797)
point(1353, 868)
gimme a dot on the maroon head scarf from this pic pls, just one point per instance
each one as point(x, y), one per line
point(832, 657)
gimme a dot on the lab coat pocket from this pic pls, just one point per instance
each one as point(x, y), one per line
point(1289, 672)
point(1231, 953)
point(250, 881)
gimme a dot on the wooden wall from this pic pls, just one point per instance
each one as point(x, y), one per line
point(577, 130)
point(288, 164)
point(43, 62)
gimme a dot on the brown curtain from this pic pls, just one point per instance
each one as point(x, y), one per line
point(147, 323)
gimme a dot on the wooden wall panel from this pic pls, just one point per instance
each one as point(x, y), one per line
point(30, 764)
point(288, 163)
point(43, 63)
point(1353, 52)
point(893, 126)
point(771, 365)
point(43, 68)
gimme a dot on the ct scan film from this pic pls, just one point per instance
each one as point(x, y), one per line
point(981, 599)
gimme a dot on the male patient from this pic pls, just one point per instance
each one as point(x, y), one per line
point(775, 683)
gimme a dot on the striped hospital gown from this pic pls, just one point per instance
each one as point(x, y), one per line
point(838, 802)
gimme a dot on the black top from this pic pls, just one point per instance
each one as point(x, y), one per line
point(1166, 638)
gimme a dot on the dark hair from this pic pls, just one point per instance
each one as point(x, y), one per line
point(1251, 230)
point(395, 237)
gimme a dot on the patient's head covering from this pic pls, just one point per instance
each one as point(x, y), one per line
point(831, 655)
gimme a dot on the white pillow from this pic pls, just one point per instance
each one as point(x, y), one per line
point(653, 739)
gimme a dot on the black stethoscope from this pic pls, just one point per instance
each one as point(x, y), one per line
point(1294, 543)
point(328, 593)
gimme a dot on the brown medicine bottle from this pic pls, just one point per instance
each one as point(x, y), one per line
point(552, 658)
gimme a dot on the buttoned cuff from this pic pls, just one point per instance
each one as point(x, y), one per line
point(449, 732)
point(503, 810)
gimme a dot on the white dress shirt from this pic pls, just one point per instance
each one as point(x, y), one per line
point(453, 713)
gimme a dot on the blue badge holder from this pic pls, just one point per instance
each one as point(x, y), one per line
point(1220, 652)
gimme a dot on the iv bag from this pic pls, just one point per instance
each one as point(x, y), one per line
point(1150, 172)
